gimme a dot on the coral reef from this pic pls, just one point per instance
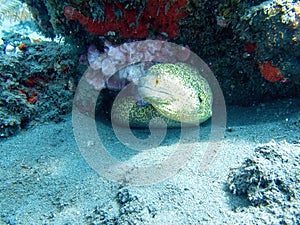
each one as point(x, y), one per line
point(9, 125)
point(271, 179)
point(218, 31)
point(274, 27)
point(159, 16)
point(252, 36)
point(36, 82)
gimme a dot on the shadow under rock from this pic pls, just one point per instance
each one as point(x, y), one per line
point(120, 151)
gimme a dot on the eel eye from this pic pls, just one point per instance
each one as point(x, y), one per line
point(200, 99)
point(156, 81)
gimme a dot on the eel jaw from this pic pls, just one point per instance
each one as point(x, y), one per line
point(154, 96)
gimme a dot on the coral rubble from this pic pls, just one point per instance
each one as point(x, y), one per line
point(271, 179)
point(130, 210)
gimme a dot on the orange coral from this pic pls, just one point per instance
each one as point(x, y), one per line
point(32, 99)
point(65, 69)
point(22, 47)
point(158, 15)
point(269, 72)
point(32, 96)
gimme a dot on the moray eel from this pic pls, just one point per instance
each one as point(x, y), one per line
point(176, 93)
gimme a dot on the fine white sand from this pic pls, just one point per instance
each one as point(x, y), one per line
point(44, 179)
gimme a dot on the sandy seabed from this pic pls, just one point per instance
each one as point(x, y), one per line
point(45, 179)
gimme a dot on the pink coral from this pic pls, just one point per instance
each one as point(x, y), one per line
point(119, 58)
point(95, 78)
point(94, 57)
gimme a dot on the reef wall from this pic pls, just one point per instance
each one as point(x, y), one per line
point(252, 46)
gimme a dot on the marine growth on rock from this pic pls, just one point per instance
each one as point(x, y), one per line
point(102, 66)
point(159, 16)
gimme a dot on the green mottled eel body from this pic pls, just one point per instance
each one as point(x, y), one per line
point(176, 93)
